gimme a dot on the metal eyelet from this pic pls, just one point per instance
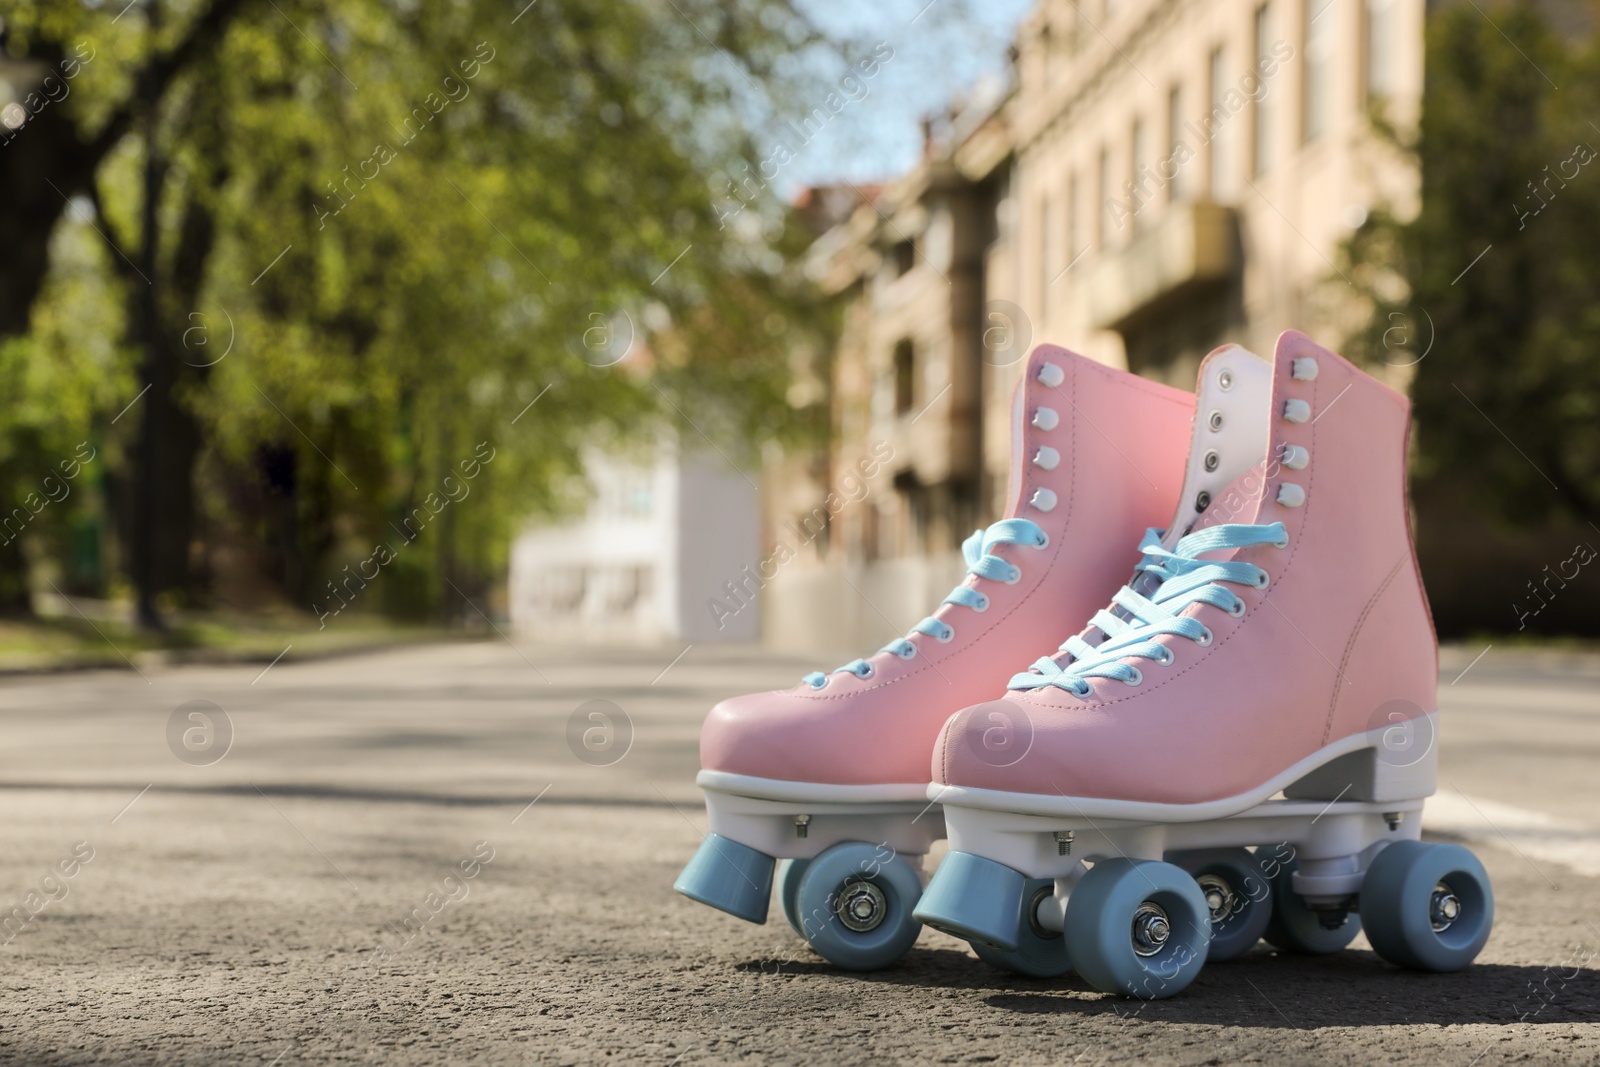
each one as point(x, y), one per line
point(1082, 688)
point(1138, 676)
point(1204, 640)
point(982, 605)
point(1238, 609)
point(1225, 380)
point(1212, 460)
point(947, 636)
point(866, 671)
point(818, 685)
point(1016, 575)
point(1263, 581)
point(1166, 657)
point(1044, 540)
point(1216, 421)
point(1281, 544)
point(909, 653)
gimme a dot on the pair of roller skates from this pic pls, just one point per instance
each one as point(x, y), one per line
point(1237, 746)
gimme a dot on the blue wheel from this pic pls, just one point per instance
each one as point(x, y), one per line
point(855, 902)
point(1427, 906)
point(1040, 953)
point(1238, 894)
point(1137, 927)
point(1294, 927)
point(788, 878)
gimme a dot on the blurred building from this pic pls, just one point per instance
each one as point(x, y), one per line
point(637, 565)
point(1153, 178)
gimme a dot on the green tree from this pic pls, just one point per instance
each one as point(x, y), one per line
point(405, 224)
point(1490, 287)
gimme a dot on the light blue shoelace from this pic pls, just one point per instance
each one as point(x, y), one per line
point(980, 562)
point(1174, 580)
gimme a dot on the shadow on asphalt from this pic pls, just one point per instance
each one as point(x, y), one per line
point(1264, 989)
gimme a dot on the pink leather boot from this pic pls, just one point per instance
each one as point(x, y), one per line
point(833, 774)
point(1276, 639)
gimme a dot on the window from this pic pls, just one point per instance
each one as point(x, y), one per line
point(1142, 187)
point(905, 377)
point(1261, 139)
point(1049, 253)
point(914, 506)
point(625, 493)
point(1075, 238)
point(905, 257)
point(1318, 66)
point(1383, 27)
point(1219, 129)
point(872, 546)
point(1173, 169)
point(1103, 227)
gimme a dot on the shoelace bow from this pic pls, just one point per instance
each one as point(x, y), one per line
point(980, 562)
point(1173, 580)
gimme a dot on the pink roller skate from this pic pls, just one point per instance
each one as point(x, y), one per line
point(832, 775)
point(1276, 640)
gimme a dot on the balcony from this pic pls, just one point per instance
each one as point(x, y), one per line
point(1191, 247)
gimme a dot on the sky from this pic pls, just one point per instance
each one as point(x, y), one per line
point(940, 50)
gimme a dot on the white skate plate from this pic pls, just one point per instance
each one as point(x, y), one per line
point(798, 820)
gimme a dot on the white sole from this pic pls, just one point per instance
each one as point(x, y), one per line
point(798, 820)
point(802, 792)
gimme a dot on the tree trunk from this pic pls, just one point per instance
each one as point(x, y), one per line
point(42, 165)
point(15, 600)
point(170, 436)
point(49, 159)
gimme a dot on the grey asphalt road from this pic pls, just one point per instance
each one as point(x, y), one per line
point(248, 909)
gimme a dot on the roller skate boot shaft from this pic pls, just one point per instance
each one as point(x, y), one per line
point(1095, 453)
point(1275, 639)
point(840, 762)
point(1311, 637)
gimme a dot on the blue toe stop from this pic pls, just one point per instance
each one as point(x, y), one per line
point(975, 899)
point(730, 877)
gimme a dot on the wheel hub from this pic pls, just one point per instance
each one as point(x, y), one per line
point(861, 906)
point(1444, 909)
point(1220, 898)
point(1151, 929)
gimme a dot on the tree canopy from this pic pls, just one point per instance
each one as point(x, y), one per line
point(1489, 290)
point(359, 249)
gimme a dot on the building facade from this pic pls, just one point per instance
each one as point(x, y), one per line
point(1154, 178)
point(657, 536)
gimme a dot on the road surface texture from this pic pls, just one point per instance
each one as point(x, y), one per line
point(250, 909)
